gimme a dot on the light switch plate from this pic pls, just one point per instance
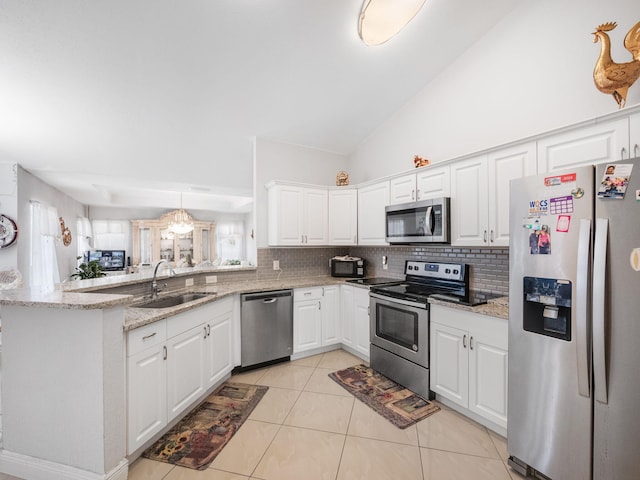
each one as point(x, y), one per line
point(188, 282)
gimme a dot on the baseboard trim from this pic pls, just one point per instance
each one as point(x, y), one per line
point(32, 468)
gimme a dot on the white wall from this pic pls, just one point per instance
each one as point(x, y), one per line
point(532, 73)
point(32, 188)
point(279, 161)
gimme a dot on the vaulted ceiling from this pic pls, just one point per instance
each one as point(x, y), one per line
point(129, 102)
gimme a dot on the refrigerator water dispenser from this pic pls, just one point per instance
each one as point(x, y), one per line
point(547, 307)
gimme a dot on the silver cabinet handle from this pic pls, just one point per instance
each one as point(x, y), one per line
point(205, 331)
point(582, 293)
point(484, 237)
point(319, 305)
point(418, 194)
point(464, 341)
point(413, 194)
point(471, 343)
point(208, 330)
point(491, 236)
point(164, 352)
point(598, 314)
point(622, 152)
point(636, 150)
point(147, 337)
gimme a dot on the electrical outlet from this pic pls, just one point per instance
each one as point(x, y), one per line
point(385, 262)
point(188, 282)
point(211, 279)
point(276, 264)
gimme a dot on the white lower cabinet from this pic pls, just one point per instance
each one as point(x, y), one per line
point(172, 363)
point(316, 317)
point(354, 308)
point(185, 370)
point(469, 361)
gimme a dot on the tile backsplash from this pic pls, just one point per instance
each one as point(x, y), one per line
point(489, 267)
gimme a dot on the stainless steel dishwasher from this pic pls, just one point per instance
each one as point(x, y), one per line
point(266, 327)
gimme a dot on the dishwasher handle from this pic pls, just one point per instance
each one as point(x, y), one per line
point(266, 297)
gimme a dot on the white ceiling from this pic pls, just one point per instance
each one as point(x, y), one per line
point(129, 102)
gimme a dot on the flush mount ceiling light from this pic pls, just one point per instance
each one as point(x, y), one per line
point(382, 19)
point(181, 222)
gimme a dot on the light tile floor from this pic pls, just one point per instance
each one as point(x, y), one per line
point(307, 426)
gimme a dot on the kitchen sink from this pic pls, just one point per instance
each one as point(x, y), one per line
point(174, 300)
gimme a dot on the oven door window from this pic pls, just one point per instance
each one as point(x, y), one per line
point(397, 325)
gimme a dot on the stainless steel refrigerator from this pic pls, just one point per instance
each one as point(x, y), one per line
point(574, 323)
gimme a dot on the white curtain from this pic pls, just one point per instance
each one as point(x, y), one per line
point(111, 234)
point(84, 237)
point(45, 231)
point(230, 241)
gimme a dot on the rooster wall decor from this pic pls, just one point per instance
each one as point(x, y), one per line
point(616, 78)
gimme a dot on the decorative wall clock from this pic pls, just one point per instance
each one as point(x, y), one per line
point(8, 231)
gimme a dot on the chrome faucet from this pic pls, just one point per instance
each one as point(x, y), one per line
point(154, 283)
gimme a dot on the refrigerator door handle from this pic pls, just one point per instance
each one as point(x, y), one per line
point(582, 311)
point(599, 283)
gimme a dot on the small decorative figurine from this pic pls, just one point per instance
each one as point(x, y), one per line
point(616, 78)
point(418, 161)
point(342, 178)
point(66, 233)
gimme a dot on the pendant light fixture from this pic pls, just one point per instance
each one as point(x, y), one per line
point(382, 19)
point(181, 222)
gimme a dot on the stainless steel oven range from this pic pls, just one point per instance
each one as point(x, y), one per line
point(399, 316)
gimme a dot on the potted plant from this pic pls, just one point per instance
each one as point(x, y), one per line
point(91, 269)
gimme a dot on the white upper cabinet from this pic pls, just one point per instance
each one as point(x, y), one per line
point(297, 215)
point(600, 143)
point(504, 166)
point(371, 216)
point(343, 216)
point(402, 189)
point(434, 182)
point(480, 194)
point(429, 182)
point(470, 202)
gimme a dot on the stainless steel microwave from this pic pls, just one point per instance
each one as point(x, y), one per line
point(425, 221)
point(347, 267)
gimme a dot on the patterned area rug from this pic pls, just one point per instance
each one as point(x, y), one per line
point(397, 404)
point(196, 440)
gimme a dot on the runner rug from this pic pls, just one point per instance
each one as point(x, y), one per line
point(397, 404)
point(196, 440)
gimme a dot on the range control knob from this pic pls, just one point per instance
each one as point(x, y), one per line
point(455, 272)
point(447, 270)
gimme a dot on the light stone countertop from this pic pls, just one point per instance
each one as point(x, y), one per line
point(495, 307)
point(138, 317)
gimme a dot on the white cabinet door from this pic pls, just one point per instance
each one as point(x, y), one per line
point(488, 375)
point(315, 217)
point(330, 315)
point(307, 325)
point(504, 166)
point(433, 182)
point(371, 215)
point(343, 217)
point(469, 202)
point(185, 369)
point(218, 350)
point(361, 322)
point(285, 215)
point(634, 135)
point(403, 189)
point(449, 364)
point(601, 143)
point(347, 314)
point(146, 395)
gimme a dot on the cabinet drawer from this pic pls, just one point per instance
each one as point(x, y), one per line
point(311, 293)
point(145, 337)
